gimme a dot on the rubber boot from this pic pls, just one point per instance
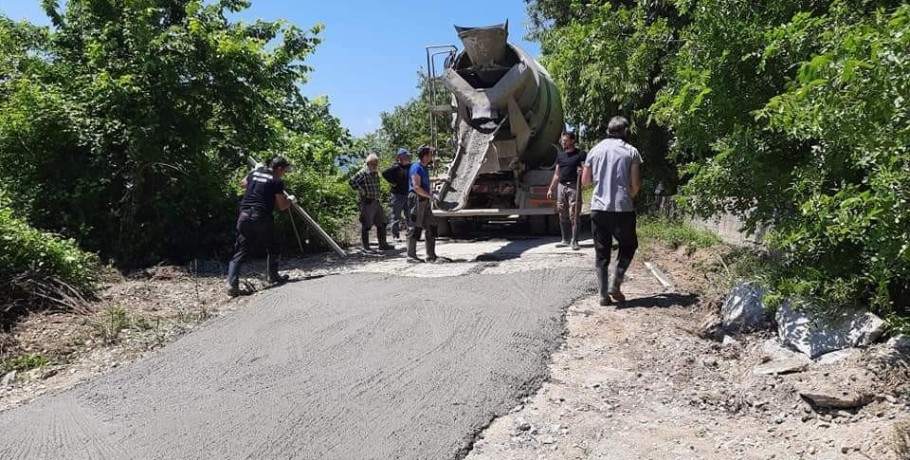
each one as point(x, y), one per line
point(412, 245)
point(565, 228)
point(602, 287)
point(431, 245)
point(616, 283)
point(272, 268)
point(233, 279)
point(365, 239)
point(575, 246)
point(383, 240)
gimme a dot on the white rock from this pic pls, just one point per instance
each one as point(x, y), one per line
point(900, 343)
point(784, 366)
point(744, 310)
point(815, 336)
point(836, 356)
point(8, 378)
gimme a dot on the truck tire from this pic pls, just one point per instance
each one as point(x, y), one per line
point(537, 225)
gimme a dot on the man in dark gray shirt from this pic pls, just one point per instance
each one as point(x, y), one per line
point(613, 167)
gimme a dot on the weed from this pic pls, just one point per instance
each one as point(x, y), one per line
point(110, 323)
point(23, 363)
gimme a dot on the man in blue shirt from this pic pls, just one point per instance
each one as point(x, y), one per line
point(420, 211)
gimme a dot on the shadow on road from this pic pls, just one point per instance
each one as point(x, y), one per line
point(660, 301)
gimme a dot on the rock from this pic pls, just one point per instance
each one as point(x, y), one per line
point(548, 440)
point(730, 341)
point(774, 351)
point(8, 378)
point(900, 343)
point(783, 366)
point(831, 398)
point(744, 310)
point(524, 426)
point(804, 331)
point(836, 356)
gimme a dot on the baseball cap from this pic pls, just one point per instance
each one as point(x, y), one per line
point(403, 152)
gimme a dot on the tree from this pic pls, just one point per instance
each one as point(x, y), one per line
point(125, 125)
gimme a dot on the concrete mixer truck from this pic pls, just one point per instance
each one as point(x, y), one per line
point(506, 118)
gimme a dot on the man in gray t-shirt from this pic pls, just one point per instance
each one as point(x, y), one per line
point(613, 167)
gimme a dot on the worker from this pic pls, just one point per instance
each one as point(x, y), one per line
point(397, 175)
point(256, 226)
point(366, 182)
point(568, 164)
point(420, 201)
point(613, 167)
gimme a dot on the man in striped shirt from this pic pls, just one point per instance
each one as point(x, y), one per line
point(366, 182)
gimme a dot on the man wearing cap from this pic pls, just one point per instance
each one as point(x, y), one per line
point(366, 182)
point(613, 167)
point(256, 226)
point(420, 212)
point(565, 177)
point(397, 176)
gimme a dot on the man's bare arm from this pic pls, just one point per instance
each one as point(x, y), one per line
point(282, 202)
point(587, 177)
point(636, 179)
point(418, 189)
point(553, 183)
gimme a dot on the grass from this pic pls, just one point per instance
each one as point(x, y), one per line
point(676, 233)
point(24, 363)
point(110, 323)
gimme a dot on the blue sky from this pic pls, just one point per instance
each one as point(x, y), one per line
point(372, 49)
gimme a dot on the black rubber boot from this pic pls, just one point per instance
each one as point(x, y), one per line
point(602, 281)
point(431, 245)
point(616, 283)
point(383, 240)
point(365, 239)
point(271, 267)
point(233, 280)
point(413, 236)
point(565, 228)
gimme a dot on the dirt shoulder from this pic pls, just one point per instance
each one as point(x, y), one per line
point(639, 383)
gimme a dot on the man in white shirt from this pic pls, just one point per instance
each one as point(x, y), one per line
point(613, 167)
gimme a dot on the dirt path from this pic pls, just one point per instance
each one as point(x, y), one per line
point(353, 366)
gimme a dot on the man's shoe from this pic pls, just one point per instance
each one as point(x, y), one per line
point(432, 260)
point(562, 244)
point(415, 260)
point(280, 279)
point(605, 302)
point(233, 291)
point(386, 247)
point(575, 246)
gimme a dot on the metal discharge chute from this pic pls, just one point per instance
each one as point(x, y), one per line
point(507, 119)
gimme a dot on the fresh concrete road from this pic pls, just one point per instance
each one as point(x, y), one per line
point(350, 366)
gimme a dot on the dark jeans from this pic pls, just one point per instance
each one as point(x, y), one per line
point(606, 227)
point(399, 214)
point(255, 233)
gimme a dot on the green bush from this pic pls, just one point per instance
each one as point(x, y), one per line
point(38, 269)
point(675, 233)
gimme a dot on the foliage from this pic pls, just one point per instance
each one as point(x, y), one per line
point(675, 233)
point(792, 114)
point(40, 269)
point(122, 127)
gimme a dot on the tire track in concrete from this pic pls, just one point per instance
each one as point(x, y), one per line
point(344, 367)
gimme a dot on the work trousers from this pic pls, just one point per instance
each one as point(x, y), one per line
point(255, 233)
point(420, 217)
point(399, 214)
point(607, 226)
point(567, 202)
